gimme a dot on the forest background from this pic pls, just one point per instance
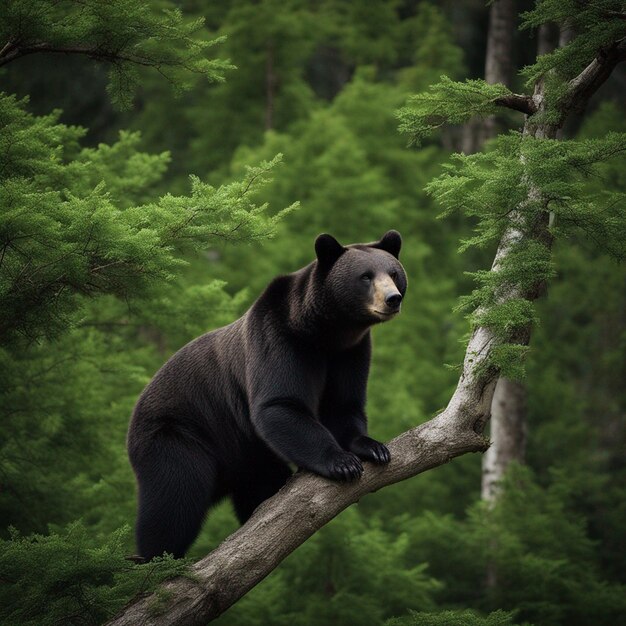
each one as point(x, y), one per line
point(97, 160)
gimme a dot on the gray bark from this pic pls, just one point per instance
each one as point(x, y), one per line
point(508, 412)
point(308, 502)
point(508, 434)
point(285, 521)
point(506, 443)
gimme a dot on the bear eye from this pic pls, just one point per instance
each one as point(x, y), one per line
point(366, 277)
point(393, 274)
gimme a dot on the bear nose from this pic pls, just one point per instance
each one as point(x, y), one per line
point(393, 300)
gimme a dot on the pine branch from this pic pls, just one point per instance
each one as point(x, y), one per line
point(11, 52)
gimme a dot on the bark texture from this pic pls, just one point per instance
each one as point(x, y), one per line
point(307, 502)
point(507, 418)
point(285, 521)
point(508, 427)
point(508, 434)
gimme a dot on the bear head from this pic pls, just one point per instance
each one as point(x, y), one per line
point(363, 283)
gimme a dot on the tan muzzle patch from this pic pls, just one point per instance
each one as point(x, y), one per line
point(383, 287)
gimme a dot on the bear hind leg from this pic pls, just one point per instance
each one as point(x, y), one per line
point(258, 487)
point(175, 491)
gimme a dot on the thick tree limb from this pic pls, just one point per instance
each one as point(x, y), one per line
point(285, 521)
point(518, 102)
point(581, 88)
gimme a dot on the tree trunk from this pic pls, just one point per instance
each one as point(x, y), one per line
point(547, 38)
point(499, 56)
point(508, 426)
point(270, 87)
point(498, 69)
point(508, 434)
point(508, 410)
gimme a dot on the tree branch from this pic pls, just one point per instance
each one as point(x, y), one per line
point(287, 520)
point(11, 52)
point(517, 102)
point(581, 88)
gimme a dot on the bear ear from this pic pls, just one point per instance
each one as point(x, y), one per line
point(328, 250)
point(391, 242)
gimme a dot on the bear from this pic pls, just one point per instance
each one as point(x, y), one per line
point(284, 385)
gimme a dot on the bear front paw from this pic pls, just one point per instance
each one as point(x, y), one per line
point(345, 467)
point(371, 450)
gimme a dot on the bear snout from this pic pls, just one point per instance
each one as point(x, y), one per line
point(393, 300)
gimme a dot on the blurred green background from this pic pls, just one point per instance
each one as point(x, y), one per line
point(320, 83)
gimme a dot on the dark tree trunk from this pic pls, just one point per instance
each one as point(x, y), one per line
point(499, 57)
point(547, 38)
point(270, 87)
point(498, 69)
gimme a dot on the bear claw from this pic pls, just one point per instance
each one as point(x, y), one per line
point(346, 467)
point(371, 450)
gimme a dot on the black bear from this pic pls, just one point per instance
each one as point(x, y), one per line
point(285, 383)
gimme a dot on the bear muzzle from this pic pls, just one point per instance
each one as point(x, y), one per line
point(387, 299)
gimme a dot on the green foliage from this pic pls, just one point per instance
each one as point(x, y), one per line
point(597, 25)
point(453, 618)
point(64, 237)
point(63, 578)
point(270, 42)
point(534, 540)
point(366, 30)
point(69, 241)
point(431, 48)
point(74, 366)
point(123, 33)
point(544, 560)
point(527, 178)
point(448, 102)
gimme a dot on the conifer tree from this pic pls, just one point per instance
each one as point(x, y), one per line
point(85, 245)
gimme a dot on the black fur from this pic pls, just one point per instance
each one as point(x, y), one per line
point(285, 383)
